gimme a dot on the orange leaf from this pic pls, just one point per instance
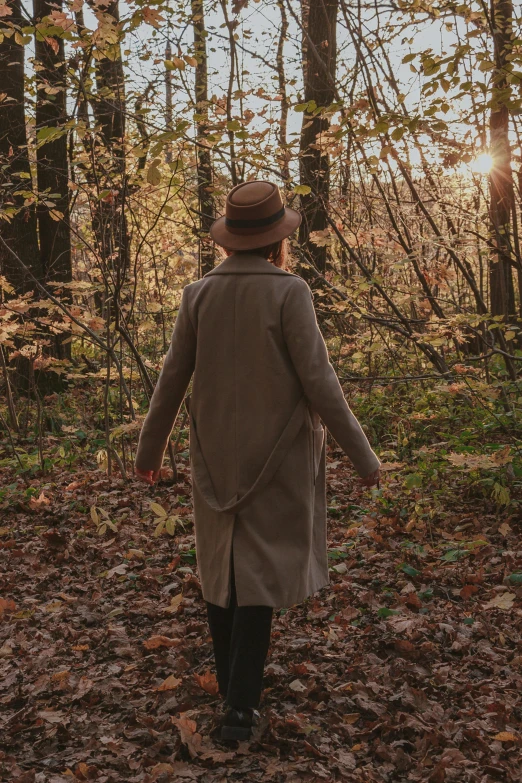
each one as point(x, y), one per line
point(40, 502)
point(189, 736)
point(161, 641)
point(505, 736)
point(208, 682)
point(467, 591)
point(170, 684)
point(6, 605)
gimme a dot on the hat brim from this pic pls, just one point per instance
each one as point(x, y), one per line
point(267, 236)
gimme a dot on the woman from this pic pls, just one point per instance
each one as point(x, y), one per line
point(247, 331)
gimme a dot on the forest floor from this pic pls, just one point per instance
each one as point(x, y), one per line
point(408, 667)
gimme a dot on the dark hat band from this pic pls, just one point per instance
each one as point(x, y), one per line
point(259, 223)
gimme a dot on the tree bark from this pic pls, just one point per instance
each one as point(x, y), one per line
point(110, 220)
point(19, 231)
point(203, 154)
point(284, 155)
point(51, 158)
point(502, 297)
point(319, 92)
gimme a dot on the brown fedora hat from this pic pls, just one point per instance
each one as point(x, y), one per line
point(254, 217)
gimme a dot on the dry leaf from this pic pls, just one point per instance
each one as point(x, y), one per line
point(297, 686)
point(502, 601)
point(505, 736)
point(161, 641)
point(6, 605)
point(189, 735)
point(74, 484)
point(84, 686)
point(351, 717)
point(467, 591)
point(40, 502)
point(170, 684)
point(51, 716)
point(118, 570)
point(386, 466)
point(175, 603)
point(208, 682)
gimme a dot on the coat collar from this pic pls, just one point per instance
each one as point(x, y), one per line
point(246, 264)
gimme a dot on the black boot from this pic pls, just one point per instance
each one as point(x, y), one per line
point(238, 724)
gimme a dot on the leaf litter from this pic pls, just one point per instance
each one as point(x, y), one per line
point(408, 667)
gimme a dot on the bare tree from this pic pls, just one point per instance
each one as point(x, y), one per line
point(319, 65)
point(203, 154)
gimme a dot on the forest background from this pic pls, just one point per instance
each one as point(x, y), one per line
point(395, 128)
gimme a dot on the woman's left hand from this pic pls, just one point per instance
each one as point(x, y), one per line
point(149, 476)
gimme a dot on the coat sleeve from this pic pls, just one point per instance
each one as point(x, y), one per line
point(321, 386)
point(172, 384)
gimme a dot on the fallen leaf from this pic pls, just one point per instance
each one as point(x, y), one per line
point(6, 605)
point(40, 502)
point(297, 686)
point(346, 759)
point(467, 591)
point(208, 682)
point(169, 684)
point(73, 485)
point(504, 529)
point(175, 603)
point(118, 570)
point(189, 735)
point(502, 601)
point(52, 716)
point(387, 466)
point(161, 641)
point(505, 736)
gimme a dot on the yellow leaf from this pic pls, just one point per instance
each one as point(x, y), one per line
point(158, 510)
point(153, 175)
point(505, 736)
point(170, 525)
point(159, 528)
point(175, 603)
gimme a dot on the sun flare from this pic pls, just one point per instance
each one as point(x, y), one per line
point(482, 164)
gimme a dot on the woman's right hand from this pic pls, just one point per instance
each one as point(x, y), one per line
point(372, 480)
point(149, 476)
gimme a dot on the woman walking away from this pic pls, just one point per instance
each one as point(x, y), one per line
point(263, 387)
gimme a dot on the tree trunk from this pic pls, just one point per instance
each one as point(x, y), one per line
point(51, 157)
point(203, 154)
point(284, 154)
point(319, 79)
point(168, 99)
point(110, 220)
point(502, 297)
point(19, 232)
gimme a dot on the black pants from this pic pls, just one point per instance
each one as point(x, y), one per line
point(240, 637)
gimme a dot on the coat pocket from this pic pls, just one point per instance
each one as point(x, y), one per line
point(318, 444)
point(317, 441)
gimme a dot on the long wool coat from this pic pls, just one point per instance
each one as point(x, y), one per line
point(262, 383)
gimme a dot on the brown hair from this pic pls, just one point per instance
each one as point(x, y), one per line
point(276, 253)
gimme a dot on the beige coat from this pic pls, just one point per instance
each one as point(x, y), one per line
point(247, 331)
